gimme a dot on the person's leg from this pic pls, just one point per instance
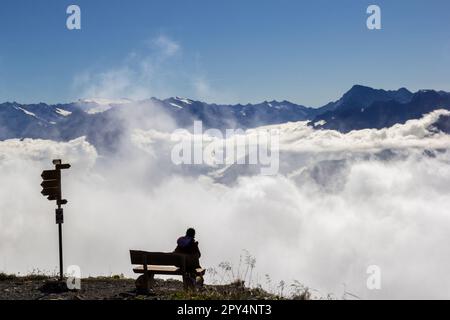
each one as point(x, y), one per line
point(188, 282)
point(192, 264)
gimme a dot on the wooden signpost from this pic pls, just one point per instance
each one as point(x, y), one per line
point(51, 188)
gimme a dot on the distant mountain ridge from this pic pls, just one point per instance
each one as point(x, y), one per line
point(103, 121)
point(367, 108)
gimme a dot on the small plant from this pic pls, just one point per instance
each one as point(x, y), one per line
point(250, 262)
point(242, 274)
point(37, 275)
point(281, 287)
point(212, 275)
point(34, 275)
point(268, 282)
point(227, 271)
point(300, 291)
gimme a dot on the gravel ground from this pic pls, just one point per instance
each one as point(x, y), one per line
point(91, 289)
point(30, 288)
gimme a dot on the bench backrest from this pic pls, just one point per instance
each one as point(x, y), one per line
point(158, 258)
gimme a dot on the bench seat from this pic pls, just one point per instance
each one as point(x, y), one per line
point(157, 269)
point(168, 269)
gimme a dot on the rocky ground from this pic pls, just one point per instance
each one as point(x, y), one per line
point(118, 288)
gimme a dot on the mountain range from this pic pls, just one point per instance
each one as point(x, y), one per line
point(103, 121)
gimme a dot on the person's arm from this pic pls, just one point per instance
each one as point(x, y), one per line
point(197, 249)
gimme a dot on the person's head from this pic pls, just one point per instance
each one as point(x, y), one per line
point(190, 233)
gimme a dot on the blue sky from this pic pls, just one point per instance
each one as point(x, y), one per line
point(308, 52)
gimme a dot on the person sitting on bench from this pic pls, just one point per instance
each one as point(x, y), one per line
point(188, 246)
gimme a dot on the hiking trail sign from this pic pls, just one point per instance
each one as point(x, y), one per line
point(51, 188)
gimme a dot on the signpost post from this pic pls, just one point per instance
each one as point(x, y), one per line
point(51, 188)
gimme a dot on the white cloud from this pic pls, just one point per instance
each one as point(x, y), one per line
point(390, 212)
point(154, 71)
point(140, 76)
point(167, 45)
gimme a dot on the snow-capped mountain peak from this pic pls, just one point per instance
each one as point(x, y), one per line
point(184, 100)
point(63, 112)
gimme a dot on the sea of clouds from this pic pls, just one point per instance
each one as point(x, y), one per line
point(339, 204)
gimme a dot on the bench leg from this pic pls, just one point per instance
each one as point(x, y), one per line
point(145, 282)
point(188, 282)
point(151, 280)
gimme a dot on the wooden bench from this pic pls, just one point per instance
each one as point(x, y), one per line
point(150, 263)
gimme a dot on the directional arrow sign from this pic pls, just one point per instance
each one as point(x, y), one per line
point(50, 184)
point(51, 175)
point(51, 192)
point(62, 166)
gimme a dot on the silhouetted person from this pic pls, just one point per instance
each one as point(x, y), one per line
point(188, 246)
